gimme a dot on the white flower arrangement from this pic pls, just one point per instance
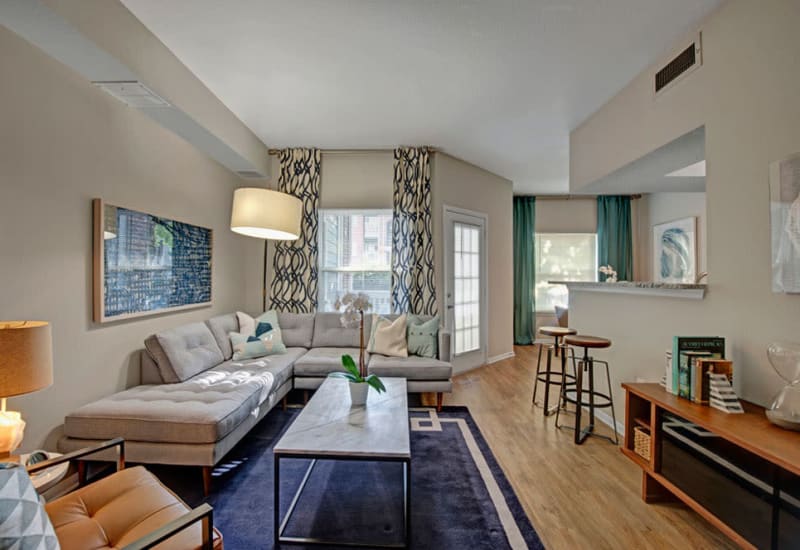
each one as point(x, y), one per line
point(354, 306)
point(609, 272)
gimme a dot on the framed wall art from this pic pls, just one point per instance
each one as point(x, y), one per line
point(145, 264)
point(675, 251)
point(784, 196)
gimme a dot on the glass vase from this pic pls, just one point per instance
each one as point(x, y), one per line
point(785, 409)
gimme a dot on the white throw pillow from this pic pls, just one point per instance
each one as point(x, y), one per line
point(388, 338)
point(247, 325)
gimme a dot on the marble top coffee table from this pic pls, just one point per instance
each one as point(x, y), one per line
point(329, 428)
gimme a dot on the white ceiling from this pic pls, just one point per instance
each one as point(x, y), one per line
point(499, 84)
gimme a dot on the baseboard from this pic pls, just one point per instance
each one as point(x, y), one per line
point(502, 356)
point(606, 419)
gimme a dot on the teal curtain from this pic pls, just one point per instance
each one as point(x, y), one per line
point(614, 235)
point(524, 270)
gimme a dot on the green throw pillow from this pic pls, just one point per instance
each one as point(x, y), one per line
point(267, 339)
point(423, 337)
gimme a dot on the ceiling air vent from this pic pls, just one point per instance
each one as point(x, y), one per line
point(132, 93)
point(686, 61)
point(249, 174)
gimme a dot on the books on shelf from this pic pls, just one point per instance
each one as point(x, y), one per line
point(668, 372)
point(721, 394)
point(687, 369)
point(713, 345)
point(701, 381)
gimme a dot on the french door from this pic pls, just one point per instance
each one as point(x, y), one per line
point(465, 286)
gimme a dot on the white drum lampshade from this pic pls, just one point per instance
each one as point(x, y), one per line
point(266, 214)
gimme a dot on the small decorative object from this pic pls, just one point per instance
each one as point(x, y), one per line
point(353, 316)
point(721, 394)
point(144, 264)
point(700, 380)
point(609, 272)
point(785, 409)
point(359, 384)
point(26, 365)
point(675, 251)
point(784, 191)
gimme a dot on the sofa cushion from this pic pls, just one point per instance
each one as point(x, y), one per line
point(388, 337)
point(411, 368)
point(119, 509)
point(423, 336)
point(329, 332)
point(184, 351)
point(220, 327)
point(323, 361)
point(202, 410)
point(297, 329)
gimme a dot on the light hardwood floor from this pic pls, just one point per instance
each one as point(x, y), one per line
point(584, 496)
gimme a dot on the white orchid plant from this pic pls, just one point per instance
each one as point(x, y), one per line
point(609, 272)
point(355, 304)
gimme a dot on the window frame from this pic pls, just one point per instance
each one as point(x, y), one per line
point(321, 249)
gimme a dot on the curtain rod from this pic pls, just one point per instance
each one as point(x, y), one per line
point(571, 197)
point(355, 151)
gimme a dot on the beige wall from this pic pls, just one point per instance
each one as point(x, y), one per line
point(566, 216)
point(113, 28)
point(666, 207)
point(463, 185)
point(746, 96)
point(62, 143)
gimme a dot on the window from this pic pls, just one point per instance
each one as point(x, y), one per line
point(355, 256)
point(562, 257)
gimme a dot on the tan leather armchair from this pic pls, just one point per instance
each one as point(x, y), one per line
point(129, 509)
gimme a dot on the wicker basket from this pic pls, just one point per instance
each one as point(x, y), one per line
point(641, 442)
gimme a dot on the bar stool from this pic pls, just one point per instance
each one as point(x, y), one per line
point(594, 399)
point(546, 375)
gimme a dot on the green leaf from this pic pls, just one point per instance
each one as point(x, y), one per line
point(376, 383)
point(347, 376)
point(350, 365)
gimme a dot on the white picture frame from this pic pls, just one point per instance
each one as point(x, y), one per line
point(675, 251)
point(784, 193)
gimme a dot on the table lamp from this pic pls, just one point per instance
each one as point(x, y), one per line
point(26, 365)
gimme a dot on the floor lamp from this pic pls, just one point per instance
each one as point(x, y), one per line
point(266, 214)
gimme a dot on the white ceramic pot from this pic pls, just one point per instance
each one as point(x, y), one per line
point(358, 393)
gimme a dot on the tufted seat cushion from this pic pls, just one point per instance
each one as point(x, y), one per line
point(204, 409)
point(323, 361)
point(117, 510)
point(410, 368)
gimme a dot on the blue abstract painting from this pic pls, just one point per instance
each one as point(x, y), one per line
point(674, 255)
point(149, 264)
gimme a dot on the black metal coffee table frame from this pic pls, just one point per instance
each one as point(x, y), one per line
point(280, 526)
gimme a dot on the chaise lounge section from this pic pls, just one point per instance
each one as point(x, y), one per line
point(195, 402)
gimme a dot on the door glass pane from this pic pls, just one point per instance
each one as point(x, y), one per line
point(467, 285)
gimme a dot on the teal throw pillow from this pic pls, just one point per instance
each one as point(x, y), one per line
point(267, 339)
point(423, 337)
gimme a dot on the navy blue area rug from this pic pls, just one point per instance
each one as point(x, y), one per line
point(460, 498)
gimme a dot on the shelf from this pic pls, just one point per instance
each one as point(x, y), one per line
point(645, 465)
point(642, 288)
point(643, 423)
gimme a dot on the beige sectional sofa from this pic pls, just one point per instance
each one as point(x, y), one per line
point(195, 403)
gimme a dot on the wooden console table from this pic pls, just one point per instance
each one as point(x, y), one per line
point(738, 471)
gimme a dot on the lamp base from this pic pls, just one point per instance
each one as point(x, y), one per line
point(8, 457)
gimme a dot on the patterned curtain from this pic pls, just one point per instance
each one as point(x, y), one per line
point(294, 279)
point(614, 235)
point(413, 278)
